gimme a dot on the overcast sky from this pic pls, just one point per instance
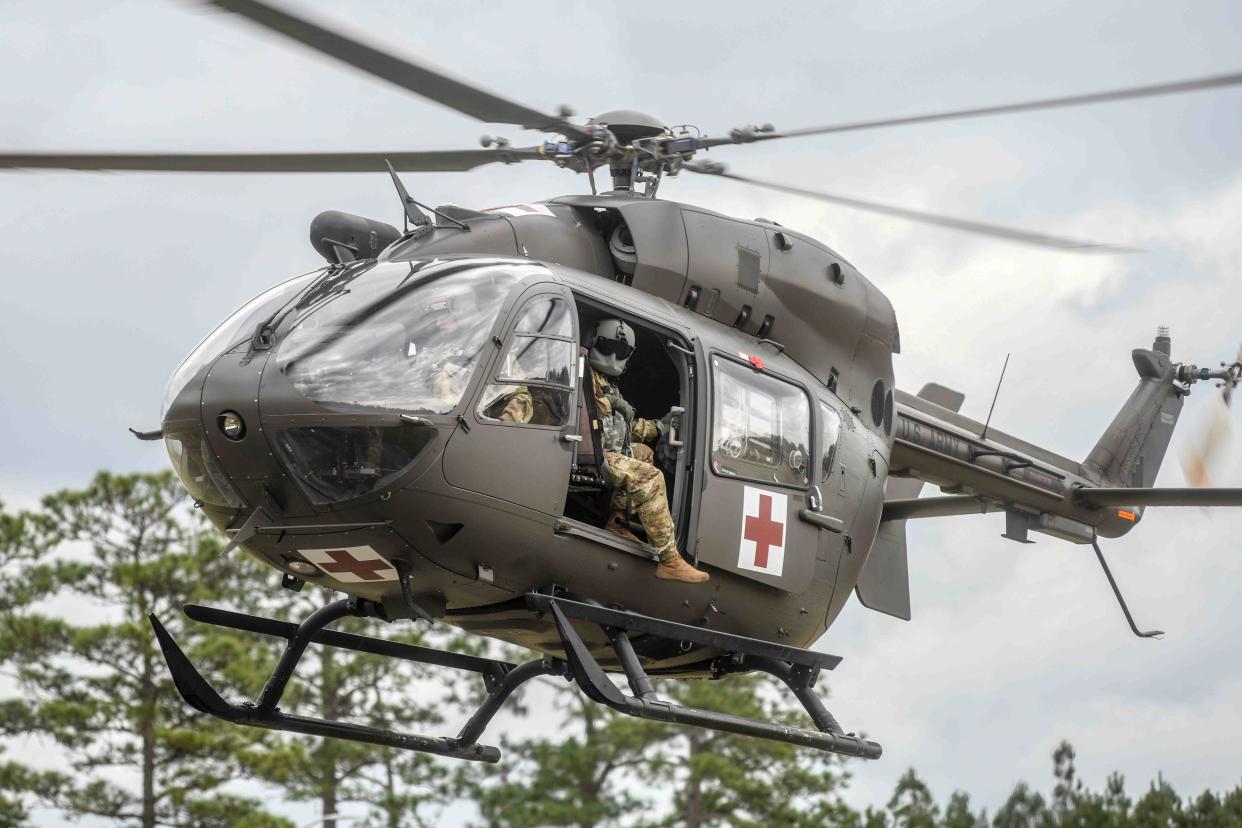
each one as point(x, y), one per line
point(112, 279)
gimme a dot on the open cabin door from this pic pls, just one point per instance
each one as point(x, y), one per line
point(754, 518)
point(511, 441)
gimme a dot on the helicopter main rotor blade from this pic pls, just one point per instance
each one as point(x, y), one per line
point(744, 136)
point(270, 162)
point(421, 79)
point(995, 231)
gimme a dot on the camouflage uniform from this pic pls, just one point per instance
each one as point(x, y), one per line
point(519, 406)
point(630, 468)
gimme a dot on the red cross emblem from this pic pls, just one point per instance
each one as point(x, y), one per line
point(762, 545)
point(352, 564)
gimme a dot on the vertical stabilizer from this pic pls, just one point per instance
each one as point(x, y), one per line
point(1132, 448)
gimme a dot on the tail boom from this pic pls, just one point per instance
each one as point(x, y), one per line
point(1040, 490)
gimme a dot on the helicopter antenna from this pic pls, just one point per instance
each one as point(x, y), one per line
point(988, 421)
point(409, 206)
point(415, 216)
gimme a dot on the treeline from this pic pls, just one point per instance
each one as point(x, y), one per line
point(94, 728)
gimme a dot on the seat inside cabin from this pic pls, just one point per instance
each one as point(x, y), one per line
point(656, 379)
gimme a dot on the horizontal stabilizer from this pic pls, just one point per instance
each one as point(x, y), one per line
point(1153, 497)
point(925, 507)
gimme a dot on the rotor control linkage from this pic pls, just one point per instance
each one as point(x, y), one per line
point(1116, 591)
point(500, 678)
point(646, 703)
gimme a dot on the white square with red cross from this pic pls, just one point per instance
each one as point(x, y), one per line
point(351, 564)
point(762, 544)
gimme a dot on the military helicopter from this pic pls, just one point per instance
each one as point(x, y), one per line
point(342, 426)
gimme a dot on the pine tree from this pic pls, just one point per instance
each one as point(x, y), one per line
point(91, 676)
point(398, 787)
point(1023, 809)
point(23, 580)
point(1160, 807)
point(578, 776)
point(727, 780)
point(957, 813)
point(912, 804)
point(1116, 803)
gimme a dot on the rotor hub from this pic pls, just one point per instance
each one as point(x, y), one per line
point(629, 125)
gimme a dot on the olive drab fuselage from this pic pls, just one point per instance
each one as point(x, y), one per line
point(478, 512)
point(365, 391)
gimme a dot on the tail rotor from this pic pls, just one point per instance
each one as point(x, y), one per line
point(1200, 461)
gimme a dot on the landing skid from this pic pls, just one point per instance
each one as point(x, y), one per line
point(796, 668)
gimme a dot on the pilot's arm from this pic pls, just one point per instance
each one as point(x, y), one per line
point(644, 431)
point(519, 407)
point(608, 399)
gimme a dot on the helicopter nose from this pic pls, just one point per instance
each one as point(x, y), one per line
point(241, 436)
point(213, 431)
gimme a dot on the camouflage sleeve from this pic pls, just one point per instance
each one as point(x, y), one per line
point(602, 407)
point(519, 408)
point(643, 431)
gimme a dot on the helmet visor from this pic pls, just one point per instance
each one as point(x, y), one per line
point(619, 348)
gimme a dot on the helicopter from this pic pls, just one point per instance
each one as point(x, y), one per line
point(306, 428)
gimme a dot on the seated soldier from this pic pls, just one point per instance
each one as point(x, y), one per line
point(629, 461)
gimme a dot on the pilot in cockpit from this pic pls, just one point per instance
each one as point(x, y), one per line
point(630, 461)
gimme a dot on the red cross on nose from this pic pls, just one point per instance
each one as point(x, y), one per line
point(764, 531)
point(343, 561)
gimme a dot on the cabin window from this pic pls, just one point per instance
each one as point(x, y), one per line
point(533, 382)
point(829, 434)
point(761, 426)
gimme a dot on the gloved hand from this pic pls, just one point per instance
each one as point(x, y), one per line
point(664, 452)
point(619, 405)
point(665, 424)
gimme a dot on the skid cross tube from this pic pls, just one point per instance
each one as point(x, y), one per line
point(593, 682)
point(500, 678)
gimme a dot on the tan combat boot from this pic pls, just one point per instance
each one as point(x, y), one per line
point(676, 569)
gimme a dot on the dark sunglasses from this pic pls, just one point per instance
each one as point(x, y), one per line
point(614, 347)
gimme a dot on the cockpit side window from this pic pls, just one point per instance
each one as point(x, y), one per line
point(761, 426)
point(534, 379)
point(829, 434)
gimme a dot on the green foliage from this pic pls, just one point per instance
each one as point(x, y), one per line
point(912, 804)
point(604, 768)
point(727, 780)
point(79, 575)
point(576, 777)
point(400, 787)
point(91, 677)
point(1160, 807)
point(957, 813)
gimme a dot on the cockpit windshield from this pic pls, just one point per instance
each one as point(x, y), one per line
point(399, 338)
point(238, 327)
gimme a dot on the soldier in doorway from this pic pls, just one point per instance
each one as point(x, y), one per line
point(629, 460)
